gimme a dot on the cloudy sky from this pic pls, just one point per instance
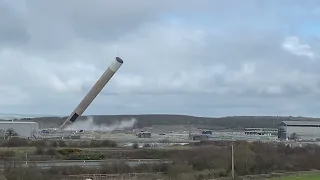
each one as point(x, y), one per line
point(204, 58)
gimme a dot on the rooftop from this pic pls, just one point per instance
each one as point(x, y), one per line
point(261, 128)
point(301, 122)
point(17, 122)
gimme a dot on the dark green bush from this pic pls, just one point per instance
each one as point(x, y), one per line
point(62, 143)
point(51, 152)
point(69, 151)
point(135, 146)
point(108, 143)
point(54, 144)
point(39, 151)
point(38, 143)
point(16, 142)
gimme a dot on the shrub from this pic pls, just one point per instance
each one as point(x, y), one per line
point(146, 145)
point(108, 143)
point(164, 141)
point(61, 143)
point(135, 146)
point(163, 167)
point(25, 173)
point(144, 168)
point(54, 144)
point(16, 142)
point(69, 151)
point(51, 152)
point(5, 154)
point(84, 157)
point(116, 168)
point(38, 143)
point(178, 169)
point(71, 170)
point(95, 144)
point(39, 151)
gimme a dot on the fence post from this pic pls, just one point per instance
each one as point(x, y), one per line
point(232, 161)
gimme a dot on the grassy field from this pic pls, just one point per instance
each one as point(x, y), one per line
point(300, 177)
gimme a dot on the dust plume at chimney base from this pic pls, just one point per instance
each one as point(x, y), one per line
point(89, 125)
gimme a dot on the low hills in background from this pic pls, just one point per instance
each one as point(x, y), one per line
point(147, 120)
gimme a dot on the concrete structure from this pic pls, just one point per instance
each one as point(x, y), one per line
point(94, 91)
point(261, 131)
point(199, 137)
point(23, 129)
point(207, 132)
point(72, 137)
point(306, 130)
point(144, 134)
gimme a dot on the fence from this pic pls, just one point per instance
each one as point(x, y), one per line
point(128, 176)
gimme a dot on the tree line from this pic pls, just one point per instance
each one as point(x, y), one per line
point(147, 120)
point(206, 159)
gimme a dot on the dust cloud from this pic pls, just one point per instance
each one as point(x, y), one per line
point(90, 125)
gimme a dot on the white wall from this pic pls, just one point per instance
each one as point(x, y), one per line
point(23, 129)
point(304, 132)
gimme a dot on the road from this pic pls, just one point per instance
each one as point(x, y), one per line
point(88, 163)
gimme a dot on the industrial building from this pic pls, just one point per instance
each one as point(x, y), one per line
point(261, 131)
point(305, 130)
point(207, 132)
point(23, 129)
point(199, 137)
point(144, 134)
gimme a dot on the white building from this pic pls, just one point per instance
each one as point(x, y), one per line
point(23, 129)
point(306, 130)
point(261, 131)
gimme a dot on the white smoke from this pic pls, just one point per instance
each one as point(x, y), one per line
point(89, 125)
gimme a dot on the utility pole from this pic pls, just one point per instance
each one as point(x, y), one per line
point(232, 161)
point(26, 158)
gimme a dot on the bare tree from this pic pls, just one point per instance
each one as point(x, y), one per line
point(294, 136)
point(11, 132)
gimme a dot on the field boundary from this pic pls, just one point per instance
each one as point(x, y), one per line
point(270, 175)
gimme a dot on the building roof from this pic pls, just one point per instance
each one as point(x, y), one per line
point(261, 128)
point(145, 132)
point(17, 122)
point(301, 122)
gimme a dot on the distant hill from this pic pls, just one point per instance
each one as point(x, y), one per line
point(147, 120)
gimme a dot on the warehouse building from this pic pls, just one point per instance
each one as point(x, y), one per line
point(207, 132)
point(305, 130)
point(144, 134)
point(199, 137)
point(23, 129)
point(261, 131)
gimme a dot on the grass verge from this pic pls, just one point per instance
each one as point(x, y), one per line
point(299, 176)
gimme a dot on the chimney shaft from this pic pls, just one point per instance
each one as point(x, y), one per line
point(94, 91)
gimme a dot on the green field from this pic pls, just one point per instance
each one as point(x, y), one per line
point(300, 177)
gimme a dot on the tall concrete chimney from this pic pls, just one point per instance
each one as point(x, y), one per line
point(94, 91)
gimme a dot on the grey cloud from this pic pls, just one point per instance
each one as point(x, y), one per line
point(53, 23)
point(12, 27)
point(199, 58)
point(93, 21)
